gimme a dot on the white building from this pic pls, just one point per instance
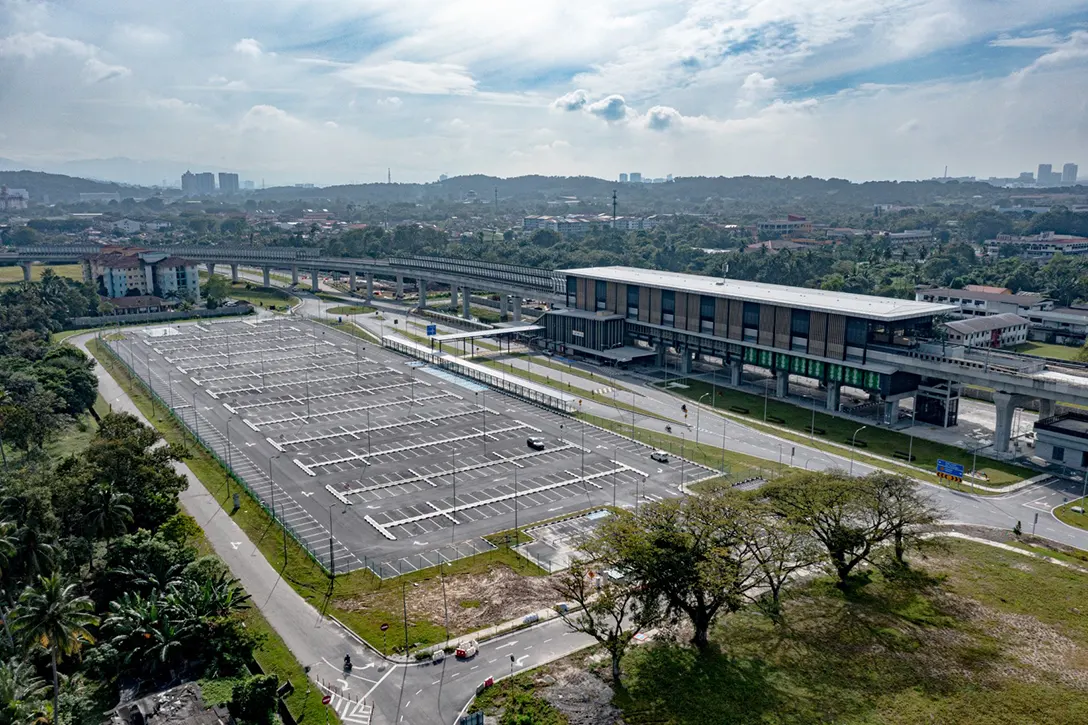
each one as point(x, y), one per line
point(128, 226)
point(13, 199)
point(1042, 246)
point(1004, 330)
point(127, 273)
point(985, 302)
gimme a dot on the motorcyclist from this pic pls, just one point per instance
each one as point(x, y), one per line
point(347, 663)
point(668, 429)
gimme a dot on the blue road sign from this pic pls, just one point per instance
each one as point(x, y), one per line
point(949, 468)
point(432, 329)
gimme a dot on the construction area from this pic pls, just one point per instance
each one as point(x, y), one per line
point(371, 458)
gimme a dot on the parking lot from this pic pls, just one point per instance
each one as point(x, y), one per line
point(374, 459)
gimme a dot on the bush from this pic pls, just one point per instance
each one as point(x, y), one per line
point(254, 700)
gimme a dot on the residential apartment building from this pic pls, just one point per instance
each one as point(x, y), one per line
point(976, 303)
point(792, 225)
point(228, 183)
point(1042, 246)
point(127, 273)
point(575, 225)
point(1001, 330)
point(13, 199)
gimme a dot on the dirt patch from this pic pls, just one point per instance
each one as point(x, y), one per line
point(582, 697)
point(479, 601)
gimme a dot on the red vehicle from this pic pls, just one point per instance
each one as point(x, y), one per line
point(467, 649)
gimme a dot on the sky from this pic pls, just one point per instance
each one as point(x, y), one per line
point(339, 91)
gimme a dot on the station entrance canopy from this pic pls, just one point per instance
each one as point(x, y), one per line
point(493, 332)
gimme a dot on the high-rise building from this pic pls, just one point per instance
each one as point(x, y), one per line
point(188, 183)
point(623, 178)
point(636, 177)
point(1026, 176)
point(228, 183)
point(1042, 176)
point(205, 183)
point(668, 178)
point(1069, 174)
point(247, 185)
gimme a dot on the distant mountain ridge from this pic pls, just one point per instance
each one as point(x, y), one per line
point(61, 188)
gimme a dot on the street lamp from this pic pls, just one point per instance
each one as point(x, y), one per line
point(272, 492)
point(698, 405)
point(910, 444)
point(853, 444)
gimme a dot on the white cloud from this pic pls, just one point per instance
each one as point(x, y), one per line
point(610, 108)
point(331, 124)
point(661, 118)
point(264, 117)
point(141, 35)
point(172, 104)
point(32, 45)
point(756, 89)
point(248, 46)
point(1040, 39)
point(392, 102)
point(1071, 50)
point(408, 77)
point(573, 101)
point(96, 71)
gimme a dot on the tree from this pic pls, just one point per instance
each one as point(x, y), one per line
point(215, 290)
point(53, 617)
point(22, 694)
point(839, 511)
point(109, 513)
point(905, 510)
point(781, 548)
point(692, 554)
point(253, 700)
point(608, 611)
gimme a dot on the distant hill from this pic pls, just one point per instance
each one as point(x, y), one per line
point(60, 188)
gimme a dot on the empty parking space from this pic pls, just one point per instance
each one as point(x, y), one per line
point(372, 459)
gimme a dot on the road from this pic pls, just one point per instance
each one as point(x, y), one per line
point(437, 693)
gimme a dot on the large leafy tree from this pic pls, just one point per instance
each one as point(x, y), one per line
point(52, 615)
point(22, 694)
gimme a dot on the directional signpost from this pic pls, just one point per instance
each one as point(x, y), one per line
point(950, 471)
point(432, 329)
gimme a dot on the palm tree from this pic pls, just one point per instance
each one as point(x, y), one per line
point(51, 615)
point(146, 630)
point(109, 513)
point(21, 694)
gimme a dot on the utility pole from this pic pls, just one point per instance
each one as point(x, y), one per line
point(613, 208)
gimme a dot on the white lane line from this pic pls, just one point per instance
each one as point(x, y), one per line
point(371, 690)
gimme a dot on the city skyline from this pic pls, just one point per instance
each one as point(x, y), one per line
point(340, 93)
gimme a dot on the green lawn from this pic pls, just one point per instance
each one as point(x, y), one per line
point(14, 275)
point(359, 599)
point(350, 310)
point(1043, 349)
point(989, 637)
point(269, 297)
point(1065, 513)
point(838, 430)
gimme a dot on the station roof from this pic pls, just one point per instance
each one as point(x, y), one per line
point(494, 332)
point(884, 309)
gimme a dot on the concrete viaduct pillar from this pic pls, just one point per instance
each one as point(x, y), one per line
point(453, 296)
point(267, 271)
point(515, 300)
point(26, 270)
point(833, 397)
point(422, 284)
point(1046, 408)
point(351, 281)
point(234, 274)
point(684, 364)
point(314, 286)
point(400, 286)
point(891, 412)
point(466, 303)
point(369, 286)
point(735, 369)
point(211, 268)
point(294, 274)
point(503, 309)
point(1006, 404)
point(781, 383)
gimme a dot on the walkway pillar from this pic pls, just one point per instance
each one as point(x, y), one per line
point(659, 355)
point(515, 301)
point(267, 276)
point(351, 281)
point(1046, 408)
point(684, 365)
point(234, 273)
point(781, 383)
point(891, 412)
point(1006, 406)
point(466, 304)
point(735, 369)
point(833, 397)
point(211, 268)
point(294, 274)
point(369, 286)
point(26, 270)
point(314, 287)
point(400, 286)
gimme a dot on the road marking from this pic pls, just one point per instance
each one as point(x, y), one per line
point(529, 647)
point(508, 644)
point(455, 674)
point(371, 690)
point(307, 493)
point(433, 683)
point(421, 689)
point(474, 667)
point(236, 544)
point(547, 640)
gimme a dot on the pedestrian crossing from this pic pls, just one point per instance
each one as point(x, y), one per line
point(356, 712)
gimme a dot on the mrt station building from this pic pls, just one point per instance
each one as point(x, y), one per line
point(620, 315)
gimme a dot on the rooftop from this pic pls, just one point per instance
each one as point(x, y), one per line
point(885, 309)
point(1020, 299)
point(986, 324)
point(1070, 422)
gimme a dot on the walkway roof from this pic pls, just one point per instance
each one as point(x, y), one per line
point(494, 332)
point(884, 309)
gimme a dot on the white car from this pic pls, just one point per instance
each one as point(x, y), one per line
point(660, 456)
point(467, 649)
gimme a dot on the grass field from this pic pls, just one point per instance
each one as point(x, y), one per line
point(989, 637)
point(359, 599)
point(350, 310)
point(14, 275)
point(839, 430)
point(262, 296)
point(1043, 349)
point(1067, 515)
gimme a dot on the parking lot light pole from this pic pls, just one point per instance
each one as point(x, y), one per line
point(517, 532)
point(196, 420)
point(170, 386)
point(613, 477)
point(683, 440)
point(853, 446)
point(453, 512)
point(698, 405)
point(910, 445)
point(368, 431)
point(332, 559)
